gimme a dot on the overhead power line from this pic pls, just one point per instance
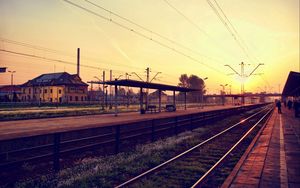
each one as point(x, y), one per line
point(64, 53)
point(31, 46)
point(185, 17)
point(150, 31)
point(53, 59)
point(231, 29)
point(142, 35)
point(67, 62)
point(36, 47)
point(193, 23)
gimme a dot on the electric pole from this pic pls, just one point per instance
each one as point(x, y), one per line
point(78, 61)
point(110, 90)
point(103, 79)
point(12, 83)
point(243, 76)
point(147, 90)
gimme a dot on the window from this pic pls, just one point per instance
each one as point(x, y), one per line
point(50, 99)
point(51, 90)
point(81, 98)
point(59, 91)
point(45, 90)
point(71, 98)
point(29, 90)
point(76, 98)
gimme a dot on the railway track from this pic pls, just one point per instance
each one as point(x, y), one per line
point(193, 167)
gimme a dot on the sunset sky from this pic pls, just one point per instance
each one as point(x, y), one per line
point(268, 29)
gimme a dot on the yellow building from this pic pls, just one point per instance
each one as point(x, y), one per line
point(55, 88)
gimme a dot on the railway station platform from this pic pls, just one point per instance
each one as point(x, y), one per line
point(33, 127)
point(273, 160)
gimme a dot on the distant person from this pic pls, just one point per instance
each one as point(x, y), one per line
point(297, 108)
point(289, 104)
point(278, 105)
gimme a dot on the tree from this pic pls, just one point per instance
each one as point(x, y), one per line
point(193, 82)
point(184, 80)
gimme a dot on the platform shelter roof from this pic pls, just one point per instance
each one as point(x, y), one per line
point(292, 85)
point(140, 84)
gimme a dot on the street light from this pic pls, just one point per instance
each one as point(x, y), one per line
point(202, 105)
point(223, 93)
point(12, 77)
point(12, 83)
point(127, 75)
point(223, 87)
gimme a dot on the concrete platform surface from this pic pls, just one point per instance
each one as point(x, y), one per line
point(274, 159)
point(22, 128)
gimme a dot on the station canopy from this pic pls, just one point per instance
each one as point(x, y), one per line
point(140, 84)
point(292, 85)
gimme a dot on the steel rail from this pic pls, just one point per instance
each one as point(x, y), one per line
point(202, 178)
point(185, 152)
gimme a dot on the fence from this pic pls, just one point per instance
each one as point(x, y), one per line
point(110, 139)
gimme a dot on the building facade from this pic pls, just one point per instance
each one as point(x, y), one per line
point(55, 88)
point(10, 93)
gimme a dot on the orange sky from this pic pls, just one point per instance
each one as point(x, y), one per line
point(269, 29)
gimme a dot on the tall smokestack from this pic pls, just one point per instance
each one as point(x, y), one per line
point(78, 61)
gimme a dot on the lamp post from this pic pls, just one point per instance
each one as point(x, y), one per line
point(12, 82)
point(105, 96)
point(127, 78)
point(202, 105)
point(12, 77)
point(223, 93)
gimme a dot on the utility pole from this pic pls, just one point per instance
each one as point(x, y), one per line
point(243, 76)
point(202, 105)
point(148, 72)
point(223, 93)
point(12, 77)
point(103, 80)
point(110, 90)
point(78, 61)
point(12, 83)
point(127, 78)
point(147, 90)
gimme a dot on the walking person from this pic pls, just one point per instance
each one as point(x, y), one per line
point(289, 104)
point(278, 105)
